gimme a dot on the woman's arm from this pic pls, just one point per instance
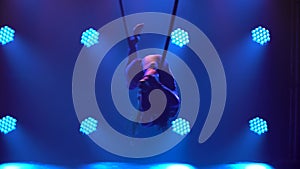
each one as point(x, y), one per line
point(132, 42)
point(134, 64)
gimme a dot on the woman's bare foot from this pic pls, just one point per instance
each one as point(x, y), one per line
point(138, 29)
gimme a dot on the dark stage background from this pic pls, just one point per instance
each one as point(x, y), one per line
point(36, 79)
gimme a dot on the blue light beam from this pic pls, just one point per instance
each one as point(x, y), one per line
point(181, 126)
point(258, 126)
point(7, 124)
point(180, 37)
point(88, 126)
point(90, 37)
point(6, 35)
point(261, 35)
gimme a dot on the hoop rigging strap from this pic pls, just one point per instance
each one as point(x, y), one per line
point(174, 11)
point(124, 20)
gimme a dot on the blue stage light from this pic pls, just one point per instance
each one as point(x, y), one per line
point(7, 124)
point(258, 126)
point(6, 35)
point(180, 37)
point(181, 126)
point(258, 166)
point(178, 166)
point(170, 166)
point(246, 165)
point(88, 126)
point(255, 166)
point(261, 35)
point(90, 37)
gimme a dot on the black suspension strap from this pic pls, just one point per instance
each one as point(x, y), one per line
point(174, 11)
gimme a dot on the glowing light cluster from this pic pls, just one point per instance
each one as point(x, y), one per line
point(6, 35)
point(181, 126)
point(180, 37)
point(88, 126)
point(7, 124)
point(258, 126)
point(261, 35)
point(90, 37)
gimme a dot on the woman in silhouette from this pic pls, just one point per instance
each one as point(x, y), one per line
point(153, 74)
